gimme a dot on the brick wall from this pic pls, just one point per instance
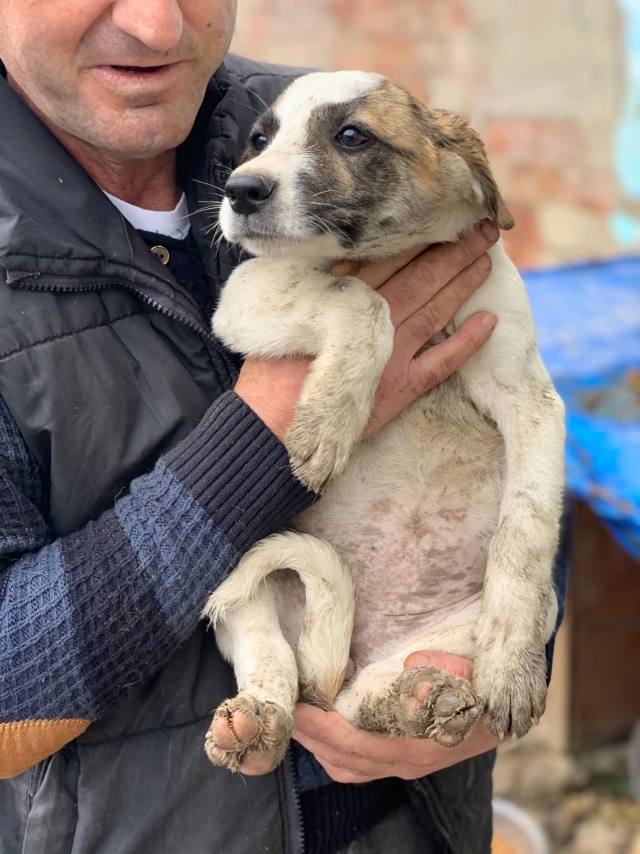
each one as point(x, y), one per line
point(543, 81)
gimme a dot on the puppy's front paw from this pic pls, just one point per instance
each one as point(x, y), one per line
point(248, 735)
point(320, 444)
point(512, 681)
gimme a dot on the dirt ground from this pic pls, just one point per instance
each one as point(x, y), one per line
point(584, 803)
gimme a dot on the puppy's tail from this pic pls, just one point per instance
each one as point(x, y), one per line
point(323, 646)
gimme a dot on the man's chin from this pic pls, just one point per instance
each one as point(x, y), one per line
point(136, 134)
point(124, 129)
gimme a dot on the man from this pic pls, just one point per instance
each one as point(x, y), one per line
point(132, 478)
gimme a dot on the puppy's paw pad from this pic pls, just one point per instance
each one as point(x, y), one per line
point(426, 703)
point(248, 735)
point(449, 707)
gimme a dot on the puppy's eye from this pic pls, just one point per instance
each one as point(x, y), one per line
point(259, 141)
point(352, 137)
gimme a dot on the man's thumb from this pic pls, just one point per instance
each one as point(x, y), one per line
point(454, 665)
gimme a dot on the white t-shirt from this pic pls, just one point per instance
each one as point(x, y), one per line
point(173, 223)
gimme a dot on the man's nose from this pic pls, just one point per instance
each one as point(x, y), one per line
point(248, 193)
point(157, 24)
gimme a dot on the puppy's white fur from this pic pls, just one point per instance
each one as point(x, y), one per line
point(447, 519)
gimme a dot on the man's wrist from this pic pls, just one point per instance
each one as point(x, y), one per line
point(271, 388)
point(238, 472)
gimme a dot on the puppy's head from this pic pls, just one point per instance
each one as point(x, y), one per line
point(347, 165)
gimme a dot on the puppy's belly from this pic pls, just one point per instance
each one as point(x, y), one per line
point(413, 517)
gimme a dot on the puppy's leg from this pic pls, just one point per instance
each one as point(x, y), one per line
point(279, 307)
point(323, 639)
point(507, 381)
point(421, 702)
point(255, 726)
point(338, 395)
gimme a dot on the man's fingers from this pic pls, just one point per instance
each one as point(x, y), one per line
point(328, 727)
point(383, 759)
point(345, 775)
point(420, 281)
point(339, 759)
point(376, 273)
point(334, 737)
point(439, 362)
point(431, 318)
point(336, 740)
point(454, 665)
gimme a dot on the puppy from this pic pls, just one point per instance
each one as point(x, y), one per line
point(440, 531)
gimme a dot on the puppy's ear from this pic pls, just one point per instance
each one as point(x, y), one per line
point(451, 132)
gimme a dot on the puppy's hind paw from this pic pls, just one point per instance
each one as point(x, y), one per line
point(248, 735)
point(424, 702)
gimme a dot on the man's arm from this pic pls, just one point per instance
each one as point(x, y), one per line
point(127, 589)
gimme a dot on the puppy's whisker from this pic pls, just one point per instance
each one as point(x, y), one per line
point(215, 224)
point(386, 237)
point(329, 230)
point(324, 205)
point(262, 101)
point(208, 184)
point(205, 209)
point(205, 205)
point(217, 193)
point(322, 224)
point(209, 206)
point(212, 229)
point(248, 106)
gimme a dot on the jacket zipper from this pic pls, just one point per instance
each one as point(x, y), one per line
point(296, 802)
point(38, 282)
point(37, 779)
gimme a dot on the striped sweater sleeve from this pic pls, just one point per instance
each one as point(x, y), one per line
point(85, 616)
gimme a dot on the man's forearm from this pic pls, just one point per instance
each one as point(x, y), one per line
point(128, 588)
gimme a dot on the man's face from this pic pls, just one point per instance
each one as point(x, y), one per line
point(75, 61)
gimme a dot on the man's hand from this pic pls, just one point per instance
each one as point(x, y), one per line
point(424, 291)
point(351, 755)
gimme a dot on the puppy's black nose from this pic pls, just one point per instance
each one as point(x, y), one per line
point(247, 193)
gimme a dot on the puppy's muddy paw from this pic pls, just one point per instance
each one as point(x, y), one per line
point(424, 703)
point(318, 449)
point(515, 693)
point(248, 735)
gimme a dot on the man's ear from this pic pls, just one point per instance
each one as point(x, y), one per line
point(452, 133)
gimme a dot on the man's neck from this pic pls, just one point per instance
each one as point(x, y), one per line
point(146, 183)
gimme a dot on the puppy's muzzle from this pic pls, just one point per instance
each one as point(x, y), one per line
point(247, 194)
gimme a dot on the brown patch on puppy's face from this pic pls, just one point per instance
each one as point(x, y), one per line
point(453, 134)
point(355, 167)
point(435, 141)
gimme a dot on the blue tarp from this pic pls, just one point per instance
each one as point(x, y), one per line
point(588, 322)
